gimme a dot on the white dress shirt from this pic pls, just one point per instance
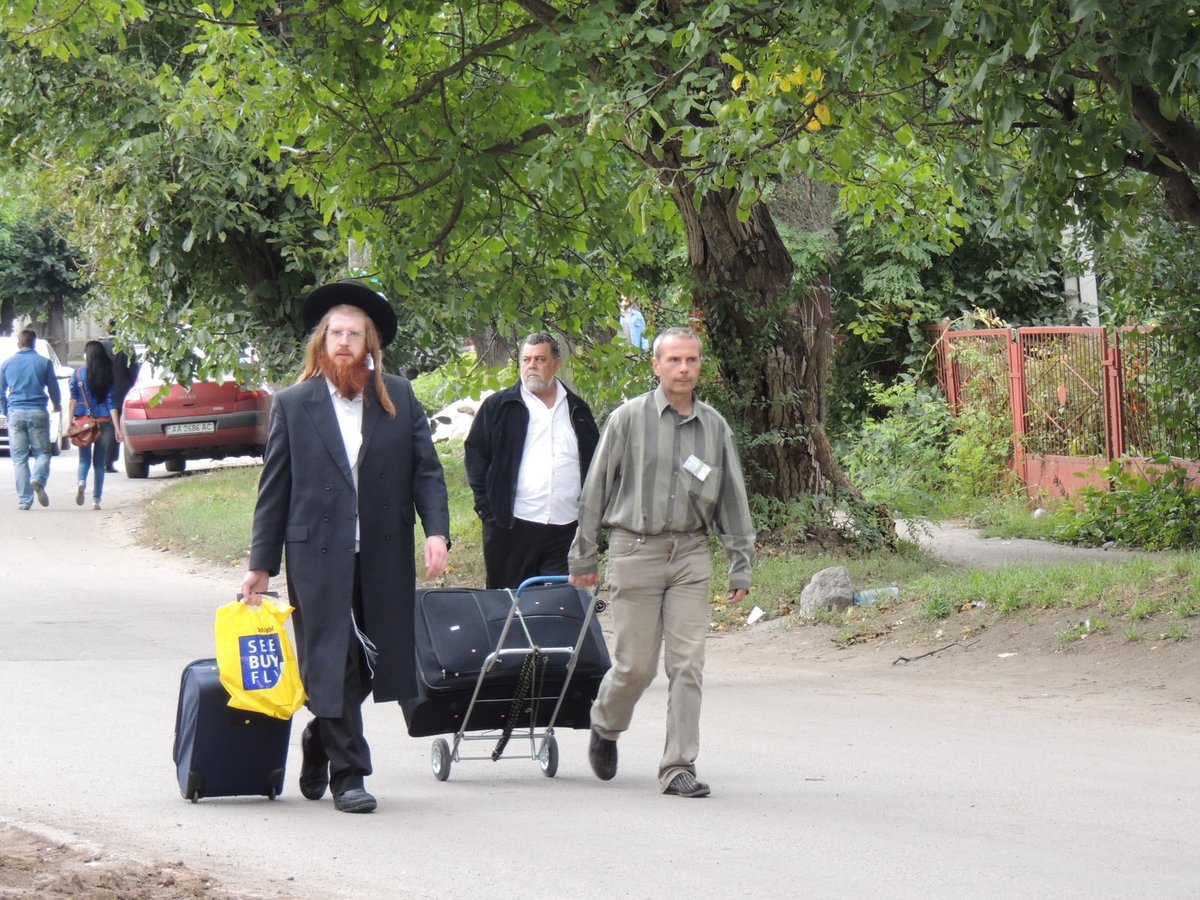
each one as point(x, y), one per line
point(349, 418)
point(548, 479)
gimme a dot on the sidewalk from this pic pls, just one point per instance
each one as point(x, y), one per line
point(961, 545)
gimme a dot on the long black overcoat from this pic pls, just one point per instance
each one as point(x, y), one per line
point(307, 507)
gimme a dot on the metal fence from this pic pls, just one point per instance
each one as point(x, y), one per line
point(1079, 396)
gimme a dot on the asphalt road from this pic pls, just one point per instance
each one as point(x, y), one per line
point(830, 779)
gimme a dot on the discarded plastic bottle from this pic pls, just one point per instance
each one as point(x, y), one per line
point(871, 596)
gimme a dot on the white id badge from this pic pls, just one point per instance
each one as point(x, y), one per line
point(697, 467)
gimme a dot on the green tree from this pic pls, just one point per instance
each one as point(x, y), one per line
point(41, 276)
point(521, 146)
point(182, 216)
point(1076, 107)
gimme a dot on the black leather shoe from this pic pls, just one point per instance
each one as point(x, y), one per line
point(602, 754)
point(355, 800)
point(111, 470)
point(685, 785)
point(314, 768)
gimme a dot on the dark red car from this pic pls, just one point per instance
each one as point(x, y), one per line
point(210, 420)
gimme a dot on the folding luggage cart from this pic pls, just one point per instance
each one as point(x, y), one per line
point(501, 712)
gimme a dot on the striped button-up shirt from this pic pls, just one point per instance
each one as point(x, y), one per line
point(656, 472)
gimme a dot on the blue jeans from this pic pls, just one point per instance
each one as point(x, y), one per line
point(97, 453)
point(29, 432)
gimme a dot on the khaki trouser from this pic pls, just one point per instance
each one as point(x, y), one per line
point(658, 588)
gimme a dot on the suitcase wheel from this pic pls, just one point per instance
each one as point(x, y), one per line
point(439, 759)
point(195, 786)
point(275, 785)
point(548, 757)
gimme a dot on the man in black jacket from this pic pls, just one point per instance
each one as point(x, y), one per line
point(527, 454)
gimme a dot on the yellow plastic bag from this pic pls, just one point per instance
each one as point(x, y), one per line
point(255, 658)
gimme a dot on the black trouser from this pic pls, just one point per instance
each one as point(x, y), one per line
point(342, 740)
point(511, 555)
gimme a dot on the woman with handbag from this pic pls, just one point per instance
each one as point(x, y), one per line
point(92, 397)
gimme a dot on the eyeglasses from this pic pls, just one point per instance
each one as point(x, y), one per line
point(347, 335)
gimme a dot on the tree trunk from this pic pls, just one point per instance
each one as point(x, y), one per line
point(771, 341)
point(56, 328)
point(6, 316)
point(492, 349)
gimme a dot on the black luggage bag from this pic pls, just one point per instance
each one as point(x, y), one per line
point(221, 751)
point(457, 628)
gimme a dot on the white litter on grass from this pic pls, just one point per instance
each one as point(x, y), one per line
point(755, 615)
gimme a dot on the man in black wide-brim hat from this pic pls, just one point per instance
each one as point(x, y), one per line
point(349, 463)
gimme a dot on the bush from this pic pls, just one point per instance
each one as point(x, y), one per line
point(978, 454)
point(1156, 508)
point(900, 459)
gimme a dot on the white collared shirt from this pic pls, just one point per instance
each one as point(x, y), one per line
point(548, 479)
point(349, 418)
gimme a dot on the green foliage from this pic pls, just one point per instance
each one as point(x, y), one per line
point(899, 459)
point(509, 163)
point(920, 460)
point(980, 448)
point(1156, 507)
point(1148, 261)
point(855, 525)
point(38, 263)
point(1065, 95)
point(887, 290)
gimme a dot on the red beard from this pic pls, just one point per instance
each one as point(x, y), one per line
point(349, 377)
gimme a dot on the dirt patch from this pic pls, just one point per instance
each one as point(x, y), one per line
point(974, 651)
point(43, 866)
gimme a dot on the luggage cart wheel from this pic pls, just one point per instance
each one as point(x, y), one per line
point(439, 758)
point(548, 758)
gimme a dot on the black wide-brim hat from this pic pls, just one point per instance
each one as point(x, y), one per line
point(351, 292)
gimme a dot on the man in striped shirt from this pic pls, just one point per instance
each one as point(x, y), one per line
point(665, 474)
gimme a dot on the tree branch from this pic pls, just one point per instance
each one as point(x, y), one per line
point(545, 14)
point(437, 78)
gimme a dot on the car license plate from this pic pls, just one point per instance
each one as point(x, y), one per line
point(190, 428)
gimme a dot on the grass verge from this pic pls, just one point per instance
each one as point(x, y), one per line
point(208, 515)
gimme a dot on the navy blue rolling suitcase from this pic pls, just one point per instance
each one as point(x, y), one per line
point(221, 751)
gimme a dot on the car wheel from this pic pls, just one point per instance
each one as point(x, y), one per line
point(135, 464)
point(176, 465)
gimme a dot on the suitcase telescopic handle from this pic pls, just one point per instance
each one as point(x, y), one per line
point(559, 579)
point(542, 579)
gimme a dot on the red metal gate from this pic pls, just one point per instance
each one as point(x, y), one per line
point(1079, 397)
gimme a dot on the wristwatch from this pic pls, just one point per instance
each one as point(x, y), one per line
point(444, 538)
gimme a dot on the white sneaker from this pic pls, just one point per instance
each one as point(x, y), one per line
point(95, 504)
point(79, 489)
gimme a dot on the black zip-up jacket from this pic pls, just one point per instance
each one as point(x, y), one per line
point(496, 442)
